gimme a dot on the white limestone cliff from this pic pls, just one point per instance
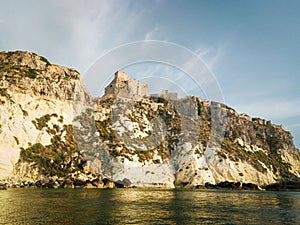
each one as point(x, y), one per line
point(150, 140)
point(32, 88)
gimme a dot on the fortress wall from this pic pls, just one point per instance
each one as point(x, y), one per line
point(125, 87)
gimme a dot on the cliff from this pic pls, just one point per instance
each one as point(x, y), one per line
point(37, 109)
point(52, 127)
point(160, 142)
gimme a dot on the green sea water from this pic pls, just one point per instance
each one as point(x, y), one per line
point(147, 206)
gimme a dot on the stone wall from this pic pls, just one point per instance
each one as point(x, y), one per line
point(125, 87)
point(169, 95)
point(166, 95)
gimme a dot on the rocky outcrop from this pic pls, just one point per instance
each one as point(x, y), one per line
point(52, 132)
point(37, 110)
point(174, 143)
point(284, 186)
point(83, 181)
point(231, 186)
point(2, 187)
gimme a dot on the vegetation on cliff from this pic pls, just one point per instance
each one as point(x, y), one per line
point(61, 158)
point(141, 140)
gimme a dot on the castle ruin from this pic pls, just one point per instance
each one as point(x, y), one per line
point(166, 95)
point(169, 95)
point(125, 87)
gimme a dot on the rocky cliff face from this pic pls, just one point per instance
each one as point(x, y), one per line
point(37, 110)
point(51, 127)
point(160, 142)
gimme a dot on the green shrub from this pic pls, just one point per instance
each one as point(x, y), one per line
point(160, 100)
point(58, 158)
point(260, 136)
point(61, 119)
point(199, 107)
point(156, 161)
point(32, 73)
point(45, 60)
point(41, 122)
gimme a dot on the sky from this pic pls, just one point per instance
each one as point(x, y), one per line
point(252, 48)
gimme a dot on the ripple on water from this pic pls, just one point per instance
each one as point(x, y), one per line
point(147, 206)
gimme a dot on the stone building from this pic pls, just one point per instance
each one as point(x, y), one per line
point(166, 95)
point(169, 95)
point(125, 87)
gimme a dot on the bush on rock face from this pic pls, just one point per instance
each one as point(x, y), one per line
point(60, 158)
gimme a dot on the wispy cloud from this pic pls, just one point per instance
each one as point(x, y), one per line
point(157, 33)
point(71, 34)
point(212, 56)
point(152, 34)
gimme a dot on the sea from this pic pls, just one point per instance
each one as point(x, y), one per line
point(147, 206)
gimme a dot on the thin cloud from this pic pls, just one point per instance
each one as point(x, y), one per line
point(152, 34)
point(70, 34)
point(157, 33)
point(211, 56)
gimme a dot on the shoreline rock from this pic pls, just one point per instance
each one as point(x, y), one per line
point(2, 187)
point(107, 183)
point(232, 186)
point(284, 186)
point(72, 183)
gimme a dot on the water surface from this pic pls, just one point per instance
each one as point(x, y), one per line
point(147, 206)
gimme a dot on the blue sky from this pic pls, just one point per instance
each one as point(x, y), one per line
point(252, 47)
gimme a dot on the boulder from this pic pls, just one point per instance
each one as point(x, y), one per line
point(123, 183)
point(49, 184)
point(232, 186)
point(98, 183)
point(108, 183)
point(2, 187)
point(284, 186)
point(68, 183)
point(38, 183)
point(79, 183)
point(210, 186)
point(89, 186)
point(229, 185)
point(249, 186)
